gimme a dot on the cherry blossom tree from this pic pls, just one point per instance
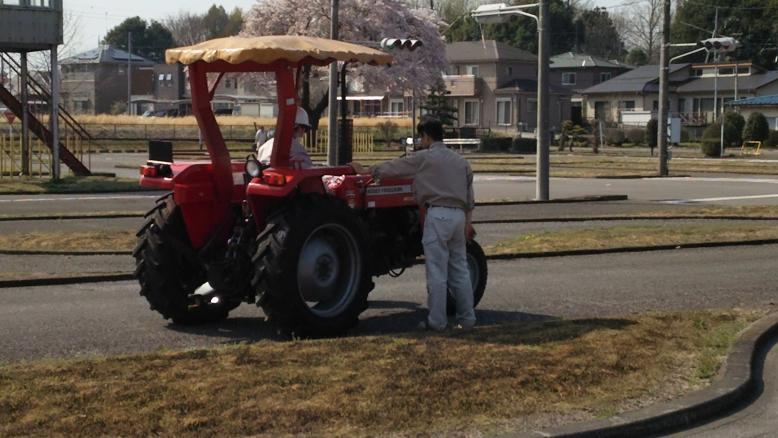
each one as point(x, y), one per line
point(365, 22)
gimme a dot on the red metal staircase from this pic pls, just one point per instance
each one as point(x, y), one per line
point(39, 129)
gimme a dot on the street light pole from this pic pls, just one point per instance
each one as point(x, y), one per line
point(543, 134)
point(332, 107)
point(498, 13)
point(664, 88)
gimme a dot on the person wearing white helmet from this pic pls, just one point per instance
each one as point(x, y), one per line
point(298, 158)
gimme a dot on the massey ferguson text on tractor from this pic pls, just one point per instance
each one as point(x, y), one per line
point(303, 244)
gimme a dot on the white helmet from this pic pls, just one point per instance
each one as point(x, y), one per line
point(302, 118)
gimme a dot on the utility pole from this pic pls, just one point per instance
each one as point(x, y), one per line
point(54, 118)
point(543, 141)
point(129, 73)
point(332, 107)
point(664, 88)
point(25, 116)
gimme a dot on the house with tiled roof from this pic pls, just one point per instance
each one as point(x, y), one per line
point(94, 81)
point(494, 86)
point(577, 72)
point(697, 92)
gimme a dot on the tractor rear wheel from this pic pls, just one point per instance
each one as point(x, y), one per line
point(476, 264)
point(311, 275)
point(168, 271)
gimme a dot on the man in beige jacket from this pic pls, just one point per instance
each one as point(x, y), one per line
point(443, 182)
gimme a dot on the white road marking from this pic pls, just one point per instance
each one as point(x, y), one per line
point(502, 178)
point(725, 198)
point(714, 179)
point(78, 198)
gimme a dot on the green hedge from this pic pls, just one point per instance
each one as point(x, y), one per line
point(496, 144)
point(521, 145)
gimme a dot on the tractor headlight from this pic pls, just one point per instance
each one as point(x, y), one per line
point(253, 168)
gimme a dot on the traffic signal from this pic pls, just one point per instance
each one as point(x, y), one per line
point(723, 44)
point(401, 43)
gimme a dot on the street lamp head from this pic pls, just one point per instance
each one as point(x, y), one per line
point(490, 14)
point(722, 44)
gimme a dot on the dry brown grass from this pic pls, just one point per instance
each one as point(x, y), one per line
point(105, 119)
point(91, 184)
point(631, 236)
point(76, 241)
point(412, 385)
point(745, 211)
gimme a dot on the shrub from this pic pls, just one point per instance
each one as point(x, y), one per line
point(772, 140)
point(711, 138)
point(686, 136)
point(738, 122)
point(491, 143)
point(521, 145)
point(386, 130)
point(118, 107)
point(615, 136)
point(636, 135)
point(651, 130)
point(756, 128)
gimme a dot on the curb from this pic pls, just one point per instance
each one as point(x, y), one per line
point(65, 216)
point(734, 384)
point(64, 253)
point(596, 198)
point(97, 278)
point(580, 252)
point(623, 218)
point(82, 192)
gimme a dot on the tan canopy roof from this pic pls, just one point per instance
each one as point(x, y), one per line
point(268, 49)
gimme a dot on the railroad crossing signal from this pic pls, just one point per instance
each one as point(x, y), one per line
point(401, 43)
point(723, 44)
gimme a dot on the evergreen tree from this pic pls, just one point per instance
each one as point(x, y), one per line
point(149, 41)
point(437, 106)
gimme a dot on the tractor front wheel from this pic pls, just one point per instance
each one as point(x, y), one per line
point(167, 269)
point(310, 271)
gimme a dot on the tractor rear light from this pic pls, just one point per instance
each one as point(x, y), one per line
point(148, 171)
point(156, 170)
point(274, 179)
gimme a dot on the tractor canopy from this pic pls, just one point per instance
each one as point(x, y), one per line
point(267, 50)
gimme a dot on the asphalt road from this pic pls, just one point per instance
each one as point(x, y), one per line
point(644, 194)
point(110, 318)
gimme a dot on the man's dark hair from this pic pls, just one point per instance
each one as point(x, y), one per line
point(432, 127)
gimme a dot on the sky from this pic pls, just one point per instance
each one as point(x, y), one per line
point(94, 18)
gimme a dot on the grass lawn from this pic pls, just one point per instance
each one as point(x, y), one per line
point(629, 235)
point(72, 184)
point(491, 380)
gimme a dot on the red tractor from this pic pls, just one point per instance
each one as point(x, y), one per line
point(299, 244)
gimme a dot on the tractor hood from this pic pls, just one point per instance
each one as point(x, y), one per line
point(270, 49)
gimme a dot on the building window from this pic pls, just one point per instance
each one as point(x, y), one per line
point(161, 77)
point(504, 109)
point(606, 76)
point(227, 83)
point(627, 105)
point(532, 105)
point(396, 107)
point(509, 70)
point(568, 78)
point(471, 70)
point(472, 112)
